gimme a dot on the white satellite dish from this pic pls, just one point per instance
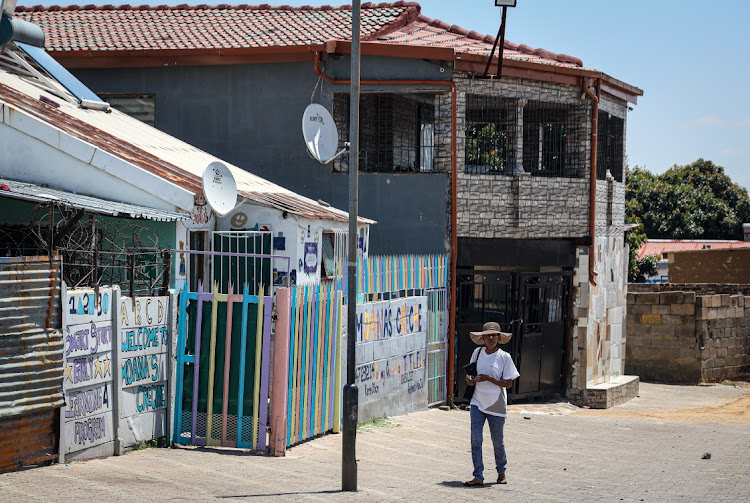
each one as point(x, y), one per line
point(9, 7)
point(321, 135)
point(220, 188)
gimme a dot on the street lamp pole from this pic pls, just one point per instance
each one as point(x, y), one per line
point(351, 393)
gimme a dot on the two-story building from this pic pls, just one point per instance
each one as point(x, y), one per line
point(520, 177)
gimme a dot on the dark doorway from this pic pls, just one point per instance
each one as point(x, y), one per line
point(531, 305)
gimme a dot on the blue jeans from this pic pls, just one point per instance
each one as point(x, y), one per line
point(496, 432)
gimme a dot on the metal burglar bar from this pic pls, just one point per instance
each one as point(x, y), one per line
point(490, 135)
point(610, 154)
point(437, 344)
point(236, 269)
point(397, 132)
point(553, 139)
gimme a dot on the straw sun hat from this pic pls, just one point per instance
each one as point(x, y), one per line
point(490, 327)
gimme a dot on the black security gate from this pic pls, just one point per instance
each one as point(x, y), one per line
point(534, 307)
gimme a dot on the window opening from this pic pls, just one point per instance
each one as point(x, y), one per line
point(552, 139)
point(329, 260)
point(197, 269)
point(610, 153)
point(397, 132)
point(490, 139)
point(139, 106)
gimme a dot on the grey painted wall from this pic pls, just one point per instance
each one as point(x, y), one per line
point(391, 350)
point(250, 115)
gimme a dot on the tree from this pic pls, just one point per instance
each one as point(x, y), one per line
point(638, 270)
point(695, 201)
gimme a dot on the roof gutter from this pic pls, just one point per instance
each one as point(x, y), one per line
point(454, 226)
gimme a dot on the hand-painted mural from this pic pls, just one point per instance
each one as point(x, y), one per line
point(87, 384)
point(143, 346)
point(392, 355)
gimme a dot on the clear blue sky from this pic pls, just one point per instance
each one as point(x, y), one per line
point(691, 58)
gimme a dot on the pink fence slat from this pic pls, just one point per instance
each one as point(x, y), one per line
point(265, 371)
point(279, 397)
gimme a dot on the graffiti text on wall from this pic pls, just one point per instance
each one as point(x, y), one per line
point(87, 402)
point(383, 320)
point(90, 339)
point(143, 346)
point(396, 366)
point(82, 370)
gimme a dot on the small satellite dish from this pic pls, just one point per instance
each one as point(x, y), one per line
point(220, 188)
point(321, 135)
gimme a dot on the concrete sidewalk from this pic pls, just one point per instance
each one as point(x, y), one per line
point(634, 452)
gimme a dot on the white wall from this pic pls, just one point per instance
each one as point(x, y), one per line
point(302, 237)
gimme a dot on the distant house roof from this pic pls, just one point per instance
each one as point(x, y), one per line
point(130, 141)
point(81, 36)
point(661, 246)
point(35, 193)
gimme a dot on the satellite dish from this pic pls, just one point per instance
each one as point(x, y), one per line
point(321, 135)
point(220, 188)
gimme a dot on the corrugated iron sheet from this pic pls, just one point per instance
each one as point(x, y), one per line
point(31, 341)
point(31, 192)
point(28, 439)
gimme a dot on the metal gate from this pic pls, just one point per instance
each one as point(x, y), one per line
point(437, 344)
point(223, 347)
point(531, 305)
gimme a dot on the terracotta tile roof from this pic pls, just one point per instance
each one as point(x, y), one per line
point(661, 246)
point(433, 32)
point(141, 27)
point(107, 27)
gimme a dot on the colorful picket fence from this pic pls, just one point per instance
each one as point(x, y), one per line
point(314, 383)
point(223, 347)
point(394, 273)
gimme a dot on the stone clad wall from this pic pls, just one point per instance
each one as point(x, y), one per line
point(522, 206)
point(682, 337)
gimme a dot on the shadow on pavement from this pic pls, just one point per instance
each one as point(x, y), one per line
point(276, 494)
point(459, 483)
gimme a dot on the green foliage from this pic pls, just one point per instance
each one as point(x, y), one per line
point(696, 201)
point(485, 146)
point(638, 270)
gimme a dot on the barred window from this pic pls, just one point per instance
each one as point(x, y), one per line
point(610, 153)
point(396, 132)
point(552, 139)
point(490, 141)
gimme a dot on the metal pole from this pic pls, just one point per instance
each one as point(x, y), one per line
point(351, 393)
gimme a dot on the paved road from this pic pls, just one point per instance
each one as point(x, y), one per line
point(646, 450)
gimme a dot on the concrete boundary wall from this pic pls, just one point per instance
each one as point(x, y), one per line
point(116, 371)
point(688, 337)
point(392, 357)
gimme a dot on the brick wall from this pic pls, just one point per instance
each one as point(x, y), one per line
point(687, 336)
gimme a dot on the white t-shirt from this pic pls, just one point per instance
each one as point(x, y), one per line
point(490, 398)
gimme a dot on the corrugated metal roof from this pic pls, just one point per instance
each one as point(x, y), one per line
point(156, 152)
point(31, 192)
point(661, 246)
